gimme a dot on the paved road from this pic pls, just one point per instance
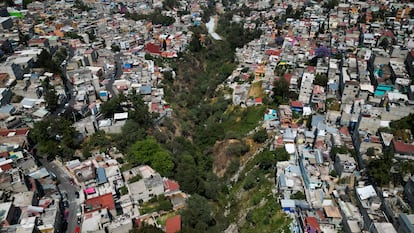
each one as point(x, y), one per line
point(65, 187)
point(117, 73)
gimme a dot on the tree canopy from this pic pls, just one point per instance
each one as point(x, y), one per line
point(50, 97)
point(55, 136)
point(170, 4)
point(280, 91)
point(146, 229)
point(44, 60)
point(198, 214)
point(155, 18)
point(150, 152)
point(379, 169)
point(321, 80)
point(260, 136)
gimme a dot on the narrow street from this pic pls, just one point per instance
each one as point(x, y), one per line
point(114, 75)
point(65, 186)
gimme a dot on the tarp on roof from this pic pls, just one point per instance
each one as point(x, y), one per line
point(41, 112)
point(8, 109)
point(366, 192)
point(34, 209)
point(145, 90)
point(287, 203)
point(290, 148)
point(121, 116)
point(101, 175)
point(90, 190)
point(282, 180)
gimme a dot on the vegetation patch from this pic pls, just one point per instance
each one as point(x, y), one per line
point(242, 120)
point(256, 90)
point(251, 202)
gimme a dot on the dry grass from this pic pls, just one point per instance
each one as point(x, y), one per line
point(256, 90)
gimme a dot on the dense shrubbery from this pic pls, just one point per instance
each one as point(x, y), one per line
point(155, 18)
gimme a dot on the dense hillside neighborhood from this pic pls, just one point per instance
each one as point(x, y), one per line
point(207, 116)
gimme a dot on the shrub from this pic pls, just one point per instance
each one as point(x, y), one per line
point(260, 136)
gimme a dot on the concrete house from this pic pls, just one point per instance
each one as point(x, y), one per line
point(147, 188)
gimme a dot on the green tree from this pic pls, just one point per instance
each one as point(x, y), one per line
point(115, 48)
point(130, 133)
point(135, 179)
point(238, 148)
point(330, 4)
point(44, 60)
point(384, 43)
point(150, 152)
point(266, 160)
point(99, 139)
point(195, 44)
point(298, 196)
point(407, 167)
point(198, 214)
point(25, 3)
point(146, 229)
point(51, 98)
point(339, 150)
point(9, 3)
point(321, 80)
point(371, 152)
point(280, 91)
point(281, 154)
point(170, 4)
point(164, 203)
point(187, 174)
point(81, 5)
point(289, 11)
point(111, 106)
point(260, 136)
point(73, 35)
point(168, 76)
point(404, 123)
point(60, 55)
point(249, 182)
point(155, 18)
point(124, 190)
point(55, 136)
point(379, 169)
point(139, 111)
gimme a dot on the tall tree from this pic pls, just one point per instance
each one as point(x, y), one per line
point(51, 99)
point(55, 136)
point(198, 214)
point(384, 43)
point(150, 152)
point(195, 44)
point(321, 80)
point(280, 91)
point(170, 4)
point(139, 112)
